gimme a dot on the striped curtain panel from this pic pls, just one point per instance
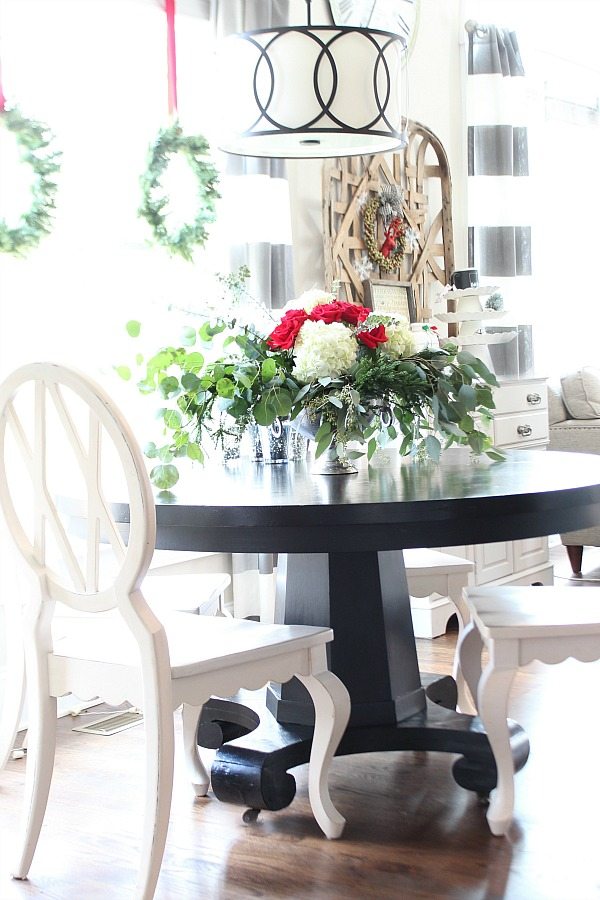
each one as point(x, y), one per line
point(498, 167)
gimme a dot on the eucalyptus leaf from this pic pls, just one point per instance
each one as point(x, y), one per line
point(188, 336)
point(190, 382)
point(323, 445)
point(225, 388)
point(433, 447)
point(324, 430)
point(172, 418)
point(193, 362)
point(164, 477)
point(194, 451)
point(467, 396)
point(268, 369)
point(169, 387)
point(133, 328)
point(165, 454)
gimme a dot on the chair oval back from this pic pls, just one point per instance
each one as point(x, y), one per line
point(63, 444)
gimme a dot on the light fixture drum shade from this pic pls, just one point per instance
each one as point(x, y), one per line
point(313, 92)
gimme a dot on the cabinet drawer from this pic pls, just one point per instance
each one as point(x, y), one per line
point(519, 397)
point(526, 428)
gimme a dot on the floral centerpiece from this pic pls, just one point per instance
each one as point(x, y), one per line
point(353, 378)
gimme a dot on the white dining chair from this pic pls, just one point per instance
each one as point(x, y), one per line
point(432, 574)
point(517, 625)
point(61, 435)
point(200, 594)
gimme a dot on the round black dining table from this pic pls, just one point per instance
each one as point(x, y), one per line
point(339, 540)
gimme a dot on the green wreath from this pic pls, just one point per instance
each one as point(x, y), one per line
point(169, 142)
point(33, 140)
point(394, 260)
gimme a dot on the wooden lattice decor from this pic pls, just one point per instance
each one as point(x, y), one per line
point(421, 174)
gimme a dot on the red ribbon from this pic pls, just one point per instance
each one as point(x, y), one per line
point(171, 57)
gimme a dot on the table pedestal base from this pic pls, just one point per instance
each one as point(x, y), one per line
point(254, 751)
point(364, 597)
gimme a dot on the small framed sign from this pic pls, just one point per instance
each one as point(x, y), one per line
point(390, 298)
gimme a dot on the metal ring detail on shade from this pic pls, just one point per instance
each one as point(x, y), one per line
point(324, 104)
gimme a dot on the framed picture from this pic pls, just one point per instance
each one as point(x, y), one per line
point(390, 298)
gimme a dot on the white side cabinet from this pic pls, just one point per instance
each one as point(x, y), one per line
point(520, 422)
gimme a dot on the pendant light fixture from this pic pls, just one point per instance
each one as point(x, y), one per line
point(314, 91)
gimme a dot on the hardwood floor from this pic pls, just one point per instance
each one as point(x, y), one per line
point(411, 833)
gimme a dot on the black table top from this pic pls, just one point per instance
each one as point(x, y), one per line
point(245, 506)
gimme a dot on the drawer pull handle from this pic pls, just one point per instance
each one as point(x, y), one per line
point(534, 399)
point(524, 430)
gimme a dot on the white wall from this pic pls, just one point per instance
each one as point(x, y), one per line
point(436, 79)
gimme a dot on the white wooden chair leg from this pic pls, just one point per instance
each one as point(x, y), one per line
point(465, 704)
point(14, 694)
point(332, 711)
point(160, 751)
point(195, 767)
point(40, 765)
point(493, 706)
point(467, 660)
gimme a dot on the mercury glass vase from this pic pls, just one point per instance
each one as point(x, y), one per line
point(328, 463)
point(270, 443)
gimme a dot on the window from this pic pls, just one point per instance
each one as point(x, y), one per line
point(95, 73)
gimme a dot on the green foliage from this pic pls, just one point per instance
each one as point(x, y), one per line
point(33, 140)
point(430, 401)
point(153, 209)
point(208, 400)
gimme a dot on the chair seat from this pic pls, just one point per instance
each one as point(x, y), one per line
point(186, 593)
point(517, 612)
point(422, 561)
point(196, 644)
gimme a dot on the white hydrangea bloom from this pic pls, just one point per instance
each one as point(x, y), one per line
point(323, 351)
point(401, 341)
point(308, 300)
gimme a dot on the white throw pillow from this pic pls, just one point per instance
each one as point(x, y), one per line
point(581, 393)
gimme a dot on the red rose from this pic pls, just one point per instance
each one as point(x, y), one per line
point(354, 314)
point(373, 337)
point(339, 311)
point(283, 337)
